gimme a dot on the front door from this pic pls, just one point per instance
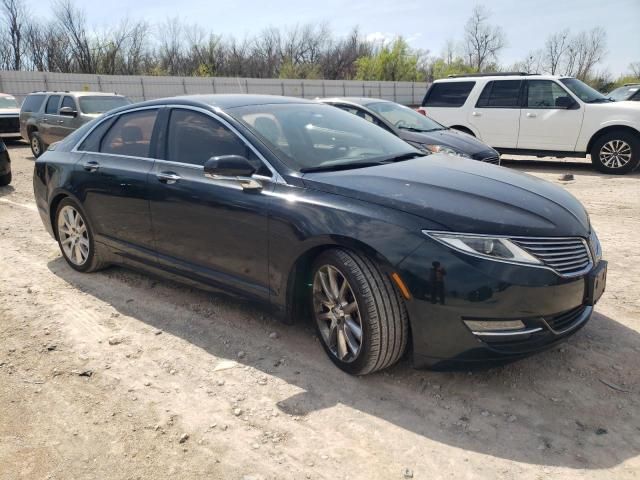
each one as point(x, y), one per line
point(49, 120)
point(206, 229)
point(113, 174)
point(545, 122)
point(496, 115)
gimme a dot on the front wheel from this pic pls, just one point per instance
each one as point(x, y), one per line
point(5, 179)
point(360, 318)
point(75, 238)
point(616, 152)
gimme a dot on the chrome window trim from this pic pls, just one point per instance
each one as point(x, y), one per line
point(276, 177)
point(508, 237)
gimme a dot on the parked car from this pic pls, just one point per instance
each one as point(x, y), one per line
point(48, 117)
point(417, 130)
point(5, 165)
point(540, 115)
point(9, 117)
point(314, 211)
point(629, 91)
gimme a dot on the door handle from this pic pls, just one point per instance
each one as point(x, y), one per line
point(61, 121)
point(168, 177)
point(476, 114)
point(91, 166)
point(531, 115)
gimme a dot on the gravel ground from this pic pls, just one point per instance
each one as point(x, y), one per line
point(118, 375)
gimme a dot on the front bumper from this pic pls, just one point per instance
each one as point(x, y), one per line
point(551, 308)
point(9, 127)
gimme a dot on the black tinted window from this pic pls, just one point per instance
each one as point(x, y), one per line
point(131, 134)
point(501, 94)
point(68, 102)
point(448, 94)
point(195, 137)
point(32, 103)
point(52, 104)
point(92, 142)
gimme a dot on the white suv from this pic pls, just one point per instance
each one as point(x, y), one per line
point(540, 115)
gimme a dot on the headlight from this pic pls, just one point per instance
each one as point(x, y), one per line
point(596, 248)
point(493, 248)
point(444, 149)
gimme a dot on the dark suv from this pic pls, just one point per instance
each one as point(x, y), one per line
point(48, 117)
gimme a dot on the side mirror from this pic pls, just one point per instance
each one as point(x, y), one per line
point(564, 102)
point(68, 112)
point(232, 167)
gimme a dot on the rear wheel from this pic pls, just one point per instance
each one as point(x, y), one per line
point(37, 147)
point(5, 179)
point(616, 152)
point(75, 238)
point(360, 318)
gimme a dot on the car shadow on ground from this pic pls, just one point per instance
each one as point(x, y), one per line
point(561, 167)
point(568, 407)
point(6, 190)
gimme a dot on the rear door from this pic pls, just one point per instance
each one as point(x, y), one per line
point(48, 124)
point(543, 124)
point(113, 175)
point(496, 115)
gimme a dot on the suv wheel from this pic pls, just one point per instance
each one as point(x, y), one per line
point(360, 318)
point(616, 152)
point(75, 238)
point(37, 147)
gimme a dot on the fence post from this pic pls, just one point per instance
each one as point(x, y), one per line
point(282, 87)
point(302, 87)
point(184, 84)
point(363, 93)
point(1, 84)
point(46, 82)
point(344, 89)
point(395, 96)
point(246, 85)
point(324, 92)
point(144, 96)
point(99, 83)
point(413, 93)
point(213, 84)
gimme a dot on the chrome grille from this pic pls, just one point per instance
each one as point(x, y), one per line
point(567, 256)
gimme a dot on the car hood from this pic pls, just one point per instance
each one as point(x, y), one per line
point(451, 138)
point(462, 195)
point(14, 112)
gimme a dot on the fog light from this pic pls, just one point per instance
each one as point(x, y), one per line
point(493, 325)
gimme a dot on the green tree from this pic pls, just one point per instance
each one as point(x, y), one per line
point(391, 62)
point(442, 69)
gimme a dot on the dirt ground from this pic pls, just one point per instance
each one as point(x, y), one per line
point(117, 375)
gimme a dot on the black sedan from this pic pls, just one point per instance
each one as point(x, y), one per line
point(416, 129)
point(316, 212)
point(5, 165)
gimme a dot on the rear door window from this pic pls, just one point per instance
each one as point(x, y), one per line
point(500, 94)
point(448, 94)
point(131, 135)
point(32, 103)
point(52, 105)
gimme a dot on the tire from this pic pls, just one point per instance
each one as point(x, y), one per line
point(616, 152)
point(87, 258)
point(5, 179)
point(379, 312)
point(36, 144)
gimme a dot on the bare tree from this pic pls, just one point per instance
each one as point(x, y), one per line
point(635, 69)
point(72, 22)
point(555, 49)
point(483, 41)
point(14, 13)
point(532, 63)
point(585, 51)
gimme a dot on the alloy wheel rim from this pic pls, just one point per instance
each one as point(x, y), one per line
point(337, 313)
point(615, 154)
point(35, 145)
point(74, 237)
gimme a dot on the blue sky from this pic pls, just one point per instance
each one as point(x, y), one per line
point(427, 24)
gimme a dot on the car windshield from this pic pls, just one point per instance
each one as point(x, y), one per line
point(8, 102)
point(101, 104)
point(404, 117)
point(623, 93)
point(583, 91)
point(310, 137)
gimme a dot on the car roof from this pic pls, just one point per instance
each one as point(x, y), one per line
point(499, 77)
point(222, 101)
point(364, 101)
point(6, 95)
point(79, 93)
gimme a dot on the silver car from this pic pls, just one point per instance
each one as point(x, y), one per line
point(9, 113)
point(48, 117)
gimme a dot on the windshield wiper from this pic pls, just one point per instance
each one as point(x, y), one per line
point(367, 163)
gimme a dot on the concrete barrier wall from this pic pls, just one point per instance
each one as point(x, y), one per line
point(139, 88)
